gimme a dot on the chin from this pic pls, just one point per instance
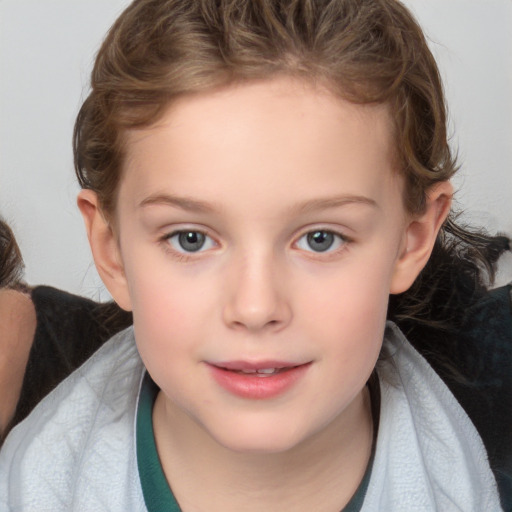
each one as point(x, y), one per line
point(258, 438)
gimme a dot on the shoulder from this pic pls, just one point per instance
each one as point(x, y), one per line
point(17, 319)
point(484, 358)
point(475, 362)
point(485, 352)
point(425, 440)
point(79, 436)
point(53, 304)
point(69, 330)
point(17, 327)
point(489, 324)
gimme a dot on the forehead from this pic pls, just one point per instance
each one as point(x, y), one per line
point(282, 131)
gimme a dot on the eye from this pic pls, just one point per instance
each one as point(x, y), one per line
point(190, 241)
point(320, 240)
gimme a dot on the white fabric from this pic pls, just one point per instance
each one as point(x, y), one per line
point(76, 451)
point(429, 456)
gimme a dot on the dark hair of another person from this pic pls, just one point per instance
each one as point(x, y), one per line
point(11, 261)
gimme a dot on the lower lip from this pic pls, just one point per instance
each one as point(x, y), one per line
point(258, 388)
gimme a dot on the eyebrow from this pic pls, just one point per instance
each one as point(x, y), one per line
point(194, 205)
point(335, 202)
point(185, 203)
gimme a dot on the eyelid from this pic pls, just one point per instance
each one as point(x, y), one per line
point(341, 236)
point(167, 235)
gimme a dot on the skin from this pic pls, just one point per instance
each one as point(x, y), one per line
point(17, 329)
point(256, 168)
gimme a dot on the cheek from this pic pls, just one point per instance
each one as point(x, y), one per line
point(167, 311)
point(349, 312)
point(352, 293)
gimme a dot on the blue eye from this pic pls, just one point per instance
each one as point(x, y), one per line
point(190, 241)
point(320, 241)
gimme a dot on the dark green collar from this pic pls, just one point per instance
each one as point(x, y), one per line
point(157, 493)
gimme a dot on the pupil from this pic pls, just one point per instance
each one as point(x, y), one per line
point(191, 241)
point(320, 241)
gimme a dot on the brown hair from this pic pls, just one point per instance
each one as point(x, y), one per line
point(367, 51)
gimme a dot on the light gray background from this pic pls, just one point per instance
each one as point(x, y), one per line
point(46, 52)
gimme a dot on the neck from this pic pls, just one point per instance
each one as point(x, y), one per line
point(321, 473)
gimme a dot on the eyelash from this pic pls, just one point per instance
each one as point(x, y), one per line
point(339, 239)
point(180, 253)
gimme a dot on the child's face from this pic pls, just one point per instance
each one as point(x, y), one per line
point(260, 227)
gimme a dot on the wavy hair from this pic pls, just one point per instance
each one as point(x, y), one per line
point(365, 51)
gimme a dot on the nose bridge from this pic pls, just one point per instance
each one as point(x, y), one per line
point(256, 297)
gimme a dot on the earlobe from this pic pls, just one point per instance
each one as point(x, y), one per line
point(105, 248)
point(420, 236)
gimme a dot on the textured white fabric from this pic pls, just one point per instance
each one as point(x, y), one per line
point(76, 451)
point(429, 456)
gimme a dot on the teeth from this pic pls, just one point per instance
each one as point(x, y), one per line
point(261, 371)
point(267, 371)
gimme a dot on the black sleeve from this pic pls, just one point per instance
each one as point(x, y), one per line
point(476, 364)
point(69, 329)
point(487, 397)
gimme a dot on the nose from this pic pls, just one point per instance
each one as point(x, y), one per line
point(256, 296)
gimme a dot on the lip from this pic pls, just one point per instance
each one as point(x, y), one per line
point(254, 385)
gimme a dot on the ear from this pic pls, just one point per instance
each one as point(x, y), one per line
point(420, 236)
point(105, 248)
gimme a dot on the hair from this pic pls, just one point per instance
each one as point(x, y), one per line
point(11, 261)
point(364, 51)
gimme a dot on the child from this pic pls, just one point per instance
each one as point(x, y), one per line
point(258, 178)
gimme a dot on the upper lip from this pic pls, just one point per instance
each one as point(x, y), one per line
point(255, 365)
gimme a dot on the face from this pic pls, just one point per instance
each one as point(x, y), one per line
point(259, 231)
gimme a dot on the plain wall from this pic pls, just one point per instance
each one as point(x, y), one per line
point(46, 52)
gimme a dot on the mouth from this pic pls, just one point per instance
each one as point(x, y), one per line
point(260, 372)
point(262, 380)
